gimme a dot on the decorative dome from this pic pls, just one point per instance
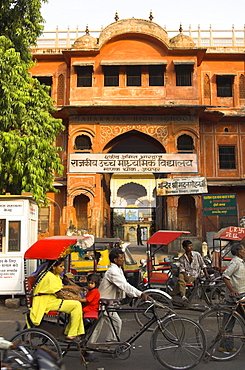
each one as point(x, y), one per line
point(182, 41)
point(85, 42)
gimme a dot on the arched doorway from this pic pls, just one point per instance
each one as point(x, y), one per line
point(81, 206)
point(186, 214)
point(133, 195)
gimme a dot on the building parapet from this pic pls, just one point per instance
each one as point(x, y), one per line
point(54, 42)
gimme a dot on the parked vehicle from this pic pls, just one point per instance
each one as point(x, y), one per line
point(96, 258)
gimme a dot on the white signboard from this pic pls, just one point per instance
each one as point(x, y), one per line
point(11, 208)
point(11, 278)
point(186, 185)
point(92, 163)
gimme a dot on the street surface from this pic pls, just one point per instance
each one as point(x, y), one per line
point(141, 358)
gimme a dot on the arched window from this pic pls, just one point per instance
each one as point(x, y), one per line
point(185, 144)
point(242, 87)
point(83, 142)
point(206, 87)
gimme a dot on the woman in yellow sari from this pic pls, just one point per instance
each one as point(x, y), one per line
point(49, 296)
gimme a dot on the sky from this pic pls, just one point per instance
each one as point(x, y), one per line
point(97, 14)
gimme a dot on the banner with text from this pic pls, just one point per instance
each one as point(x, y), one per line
point(185, 185)
point(92, 163)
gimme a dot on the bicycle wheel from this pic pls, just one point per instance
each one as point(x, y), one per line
point(225, 332)
point(217, 294)
point(178, 343)
point(144, 315)
point(31, 340)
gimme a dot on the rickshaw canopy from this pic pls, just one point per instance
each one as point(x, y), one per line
point(56, 247)
point(164, 237)
point(230, 233)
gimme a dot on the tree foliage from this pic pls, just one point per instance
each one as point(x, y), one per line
point(28, 157)
point(21, 22)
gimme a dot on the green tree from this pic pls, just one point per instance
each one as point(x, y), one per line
point(21, 22)
point(28, 157)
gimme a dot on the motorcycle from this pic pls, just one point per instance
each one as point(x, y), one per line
point(17, 355)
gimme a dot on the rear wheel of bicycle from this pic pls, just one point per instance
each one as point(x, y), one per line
point(31, 340)
point(145, 314)
point(179, 343)
point(225, 333)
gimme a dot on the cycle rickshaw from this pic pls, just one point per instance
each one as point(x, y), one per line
point(177, 342)
point(161, 277)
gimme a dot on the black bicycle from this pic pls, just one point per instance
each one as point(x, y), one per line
point(224, 327)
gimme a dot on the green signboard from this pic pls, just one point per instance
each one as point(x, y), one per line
point(219, 204)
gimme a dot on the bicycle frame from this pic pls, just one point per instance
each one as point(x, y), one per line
point(133, 337)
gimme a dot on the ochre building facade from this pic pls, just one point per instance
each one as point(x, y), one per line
point(144, 111)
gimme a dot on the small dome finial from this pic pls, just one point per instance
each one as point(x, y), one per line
point(87, 30)
point(180, 28)
point(151, 16)
point(116, 17)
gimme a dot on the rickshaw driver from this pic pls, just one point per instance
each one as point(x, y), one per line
point(49, 296)
point(115, 286)
point(191, 264)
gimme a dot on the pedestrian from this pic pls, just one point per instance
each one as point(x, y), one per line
point(139, 237)
point(234, 278)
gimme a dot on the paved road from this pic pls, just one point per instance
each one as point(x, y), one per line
point(141, 358)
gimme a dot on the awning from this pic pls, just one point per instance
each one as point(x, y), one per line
point(82, 64)
point(183, 62)
point(132, 62)
point(42, 75)
point(164, 237)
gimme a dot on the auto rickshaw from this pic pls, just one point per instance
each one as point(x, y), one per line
point(96, 258)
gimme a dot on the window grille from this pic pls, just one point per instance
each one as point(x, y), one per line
point(84, 76)
point(156, 75)
point(44, 80)
point(183, 75)
point(133, 75)
point(82, 142)
point(111, 75)
point(206, 86)
point(185, 144)
point(227, 158)
point(224, 86)
point(242, 87)
point(61, 87)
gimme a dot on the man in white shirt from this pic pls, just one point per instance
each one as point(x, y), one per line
point(115, 286)
point(234, 278)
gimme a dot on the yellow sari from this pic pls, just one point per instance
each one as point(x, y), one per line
point(47, 301)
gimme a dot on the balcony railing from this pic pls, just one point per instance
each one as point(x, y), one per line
point(56, 41)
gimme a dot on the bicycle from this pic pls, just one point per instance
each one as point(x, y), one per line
point(211, 291)
point(224, 328)
point(177, 342)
